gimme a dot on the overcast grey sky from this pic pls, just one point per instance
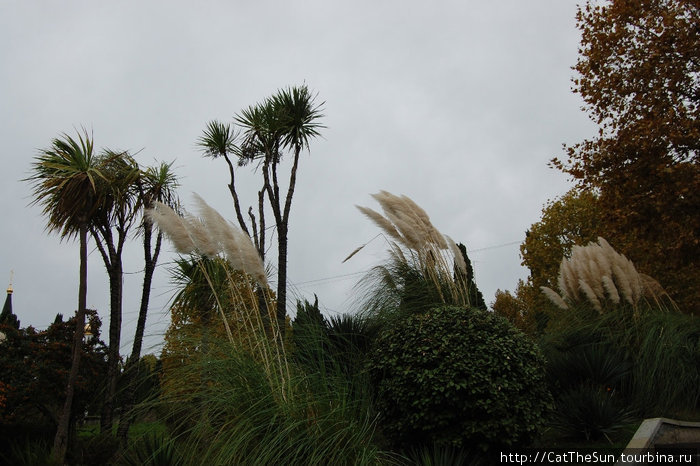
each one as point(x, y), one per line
point(456, 104)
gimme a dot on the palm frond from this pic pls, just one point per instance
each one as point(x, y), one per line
point(219, 139)
point(65, 180)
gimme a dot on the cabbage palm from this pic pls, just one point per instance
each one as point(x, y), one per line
point(219, 140)
point(156, 184)
point(66, 182)
point(110, 228)
point(287, 121)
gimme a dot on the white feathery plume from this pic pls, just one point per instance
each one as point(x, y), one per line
point(173, 226)
point(590, 294)
point(203, 241)
point(593, 278)
point(408, 231)
point(597, 272)
point(218, 226)
point(607, 249)
point(561, 282)
point(402, 217)
point(611, 289)
point(209, 236)
point(382, 223)
point(421, 215)
point(624, 284)
point(459, 260)
point(603, 261)
point(355, 251)
point(554, 297)
point(635, 280)
point(569, 279)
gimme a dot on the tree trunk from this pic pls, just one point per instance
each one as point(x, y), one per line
point(150, 261)
point(115, 325)
point(60, 443)
point(282, 278)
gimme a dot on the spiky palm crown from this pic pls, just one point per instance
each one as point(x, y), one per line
point(65, 183)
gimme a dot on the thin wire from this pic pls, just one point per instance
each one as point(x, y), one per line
point(494, 247)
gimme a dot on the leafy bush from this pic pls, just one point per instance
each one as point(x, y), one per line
point(456, 376)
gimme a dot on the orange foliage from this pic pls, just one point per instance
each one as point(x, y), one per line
point(638, 73)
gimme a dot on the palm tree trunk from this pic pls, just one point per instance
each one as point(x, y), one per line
point(115, 325)
point(282, 278)
point(60, 443)
point(150, 260)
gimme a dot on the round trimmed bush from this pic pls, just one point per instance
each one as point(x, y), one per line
point(458, 377)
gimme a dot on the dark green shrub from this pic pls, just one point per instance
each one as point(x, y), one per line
point(350, 339)
point(337, 344)
point(458, 377)
point(651, 358)
point(597, 363)
point(666, 373)
point(309, 337)
point(589, 412)
point(152, 450)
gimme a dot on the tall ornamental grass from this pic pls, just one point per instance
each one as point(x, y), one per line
point(425, 267)
point(598, 275)
point(608, 304)
point(246, 400)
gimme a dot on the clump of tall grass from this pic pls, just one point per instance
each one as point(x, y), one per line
point(236, 417)
point(599, 275)
point(629, 316)
point(151, 449)
point(245, 400)
point(425, 267)
point(211, 236)
point(657, 353)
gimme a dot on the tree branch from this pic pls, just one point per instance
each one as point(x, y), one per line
point(234, 194)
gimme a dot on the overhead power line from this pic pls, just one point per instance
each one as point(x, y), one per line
point(348, 275)
point(494, 247)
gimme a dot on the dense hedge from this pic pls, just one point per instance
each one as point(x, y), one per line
point(459, 377)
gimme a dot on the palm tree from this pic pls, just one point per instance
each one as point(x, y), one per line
point(156, 184)
point(110, 228)
point(219, 140)
point(287, 121)
point(66, 182)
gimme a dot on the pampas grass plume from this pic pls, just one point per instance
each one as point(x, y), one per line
point(611, 289)
point(459, 260)
point(382, 223)
point(173, 226)
point(554, 297)
point(590, 294)
point(597, 272)
point(210, 235)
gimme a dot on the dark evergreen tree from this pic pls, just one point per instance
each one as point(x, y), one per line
point(476, 299)
point(310, 334)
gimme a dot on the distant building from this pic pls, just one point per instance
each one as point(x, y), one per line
point(7, 317)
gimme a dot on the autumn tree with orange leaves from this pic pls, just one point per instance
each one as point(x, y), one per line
point(639, 76)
